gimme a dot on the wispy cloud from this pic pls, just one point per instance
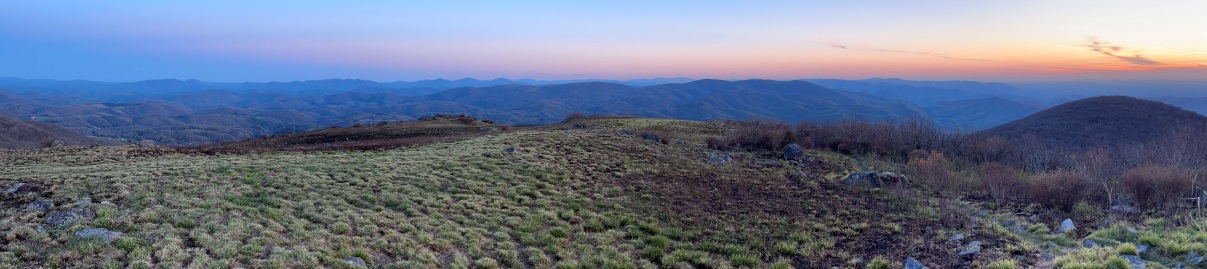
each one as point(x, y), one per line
point(930, 54)
point(1119, 52)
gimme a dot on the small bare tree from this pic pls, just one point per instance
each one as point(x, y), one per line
point(1097, 166)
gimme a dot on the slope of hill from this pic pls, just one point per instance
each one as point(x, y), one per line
point(1100, 121)
point(979, 114)
point(539, 197)
point(31, 134)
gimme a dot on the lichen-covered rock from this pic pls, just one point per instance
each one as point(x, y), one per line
point(794, 152)
point(66, 217)
point(717, 158)
point(863, 178)
point(1066, 226)
point(14, 188)
point(101, 233)
point(911, 263)
point(1135, 262)
point(40, 205)
point(651, 137)
point(356, 262)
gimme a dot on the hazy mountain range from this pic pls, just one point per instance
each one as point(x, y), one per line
point(196, 112)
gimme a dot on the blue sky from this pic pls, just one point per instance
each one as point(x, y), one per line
point(405, 40)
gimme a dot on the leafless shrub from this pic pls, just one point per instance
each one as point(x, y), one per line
point(1059, 189)
point(1156, 186)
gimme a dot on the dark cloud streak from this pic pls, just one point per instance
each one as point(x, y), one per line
point(1118, 52)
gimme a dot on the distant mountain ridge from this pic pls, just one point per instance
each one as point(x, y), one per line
point(190, 112)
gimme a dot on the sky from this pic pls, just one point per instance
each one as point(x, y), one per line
point(233, 41)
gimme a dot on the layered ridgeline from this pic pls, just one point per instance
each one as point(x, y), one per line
point(16, 133)
point(1106, 121)
point(193, 112)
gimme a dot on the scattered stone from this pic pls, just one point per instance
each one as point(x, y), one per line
point(866, 177)
point(911, 263)
point(1090, 243)
point(83, 202)
point(1047, 256)
point(651, 137)
point(982, 212)
point(625, 132)
point(1194, 258)
point(1020, 258)
point(578, 126)
point(717, 158)
point(1179, 265)
point(1066, 226)
point(356, 262)
point(794, 152)
point(956, 237)
point(65, 217)
point(57, 143)
point(146, 143)
point(1019, 229)
point(1142, 248)
point(40, 229)
point(680, 142)
point(105, 234)
point(14, 188)
point(1007, 222)
point(972, 249)
point(510, 150)
point(800, 174)
point(1032, 218)
point(890, 177)
point(1123, 209)
point(40, 205)
point(1135, 261)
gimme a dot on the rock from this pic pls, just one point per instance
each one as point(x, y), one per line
point(794, 152)
point(1018, 229)
point(890, 177)
point(1032, 218)
point(625, 133)
point(1194, 258)
point(146, 143)
point(40, 205)
point(956, 237)
point(14, 188)
point(1090, 243)
point(578, 126)
point(1047, 256)
point(1179, 265)
point(911, 263)
point(651, 137)
point(66, 217)
point(680, 142)
point(1066, 226)
point(717, 158)
point(104, 234)
point(972, 249)
point(57, 143)
point(1007, 222)
point(1142, 248)
point(356, 262)
point(982, 212)
point(1135, 261)
point(83, 202)
point(510, 150)
point(1123, 209)
point(865, 177)
point(800, 174)
point(40, 229)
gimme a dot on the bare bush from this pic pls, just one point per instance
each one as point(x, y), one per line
point(755, 135)
point(1001, 181)
point(1156, 186)
point(1060, 189)
point(574, 116)
point(934, 168)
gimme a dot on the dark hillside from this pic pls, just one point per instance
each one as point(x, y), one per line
point(1110, 121)
point(29, 134)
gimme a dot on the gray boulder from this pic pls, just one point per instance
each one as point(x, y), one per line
point(1194, 258)
point(956, 237)
point(972, 249)
point(651, 137)
point(794, 152)
point(1135, 262)
point(1142, 248)
point(717, 158)
point(1090, 243)
point(510, 150)
point(356, 262)
point(66, 217)
point(1066, 226)
point(911, 263)
point(40, 205)
point(14, 188)
point(101, 233)
point(578, 126)
point(860, 178)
